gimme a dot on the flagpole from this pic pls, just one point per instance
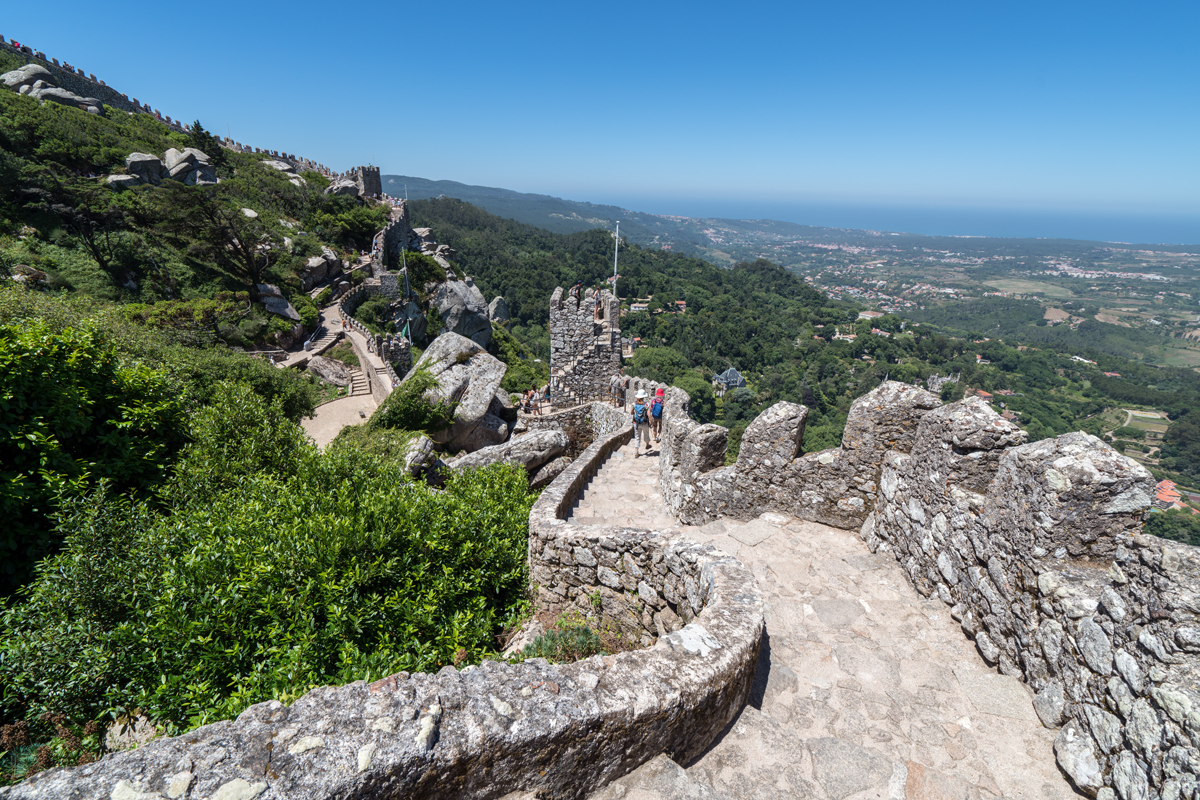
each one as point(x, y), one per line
point(616, 248)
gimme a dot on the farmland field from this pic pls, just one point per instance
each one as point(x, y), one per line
point(1022, 286)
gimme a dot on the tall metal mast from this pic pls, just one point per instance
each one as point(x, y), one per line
point(616, 247)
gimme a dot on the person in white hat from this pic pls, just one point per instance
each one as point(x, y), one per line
point(641, 423)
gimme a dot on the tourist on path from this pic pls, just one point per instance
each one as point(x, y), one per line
point(641, 423)
point(613, 383)
point(623, 389)
point(656, 412)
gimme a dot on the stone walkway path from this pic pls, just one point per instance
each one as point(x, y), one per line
point(865, 689)
point(333, 416)
point(624, 491)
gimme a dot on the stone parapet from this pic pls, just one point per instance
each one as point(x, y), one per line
point(556, 730)
point(836, 487)
point(1037, 550)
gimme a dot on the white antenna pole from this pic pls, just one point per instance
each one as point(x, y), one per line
point(616, 248)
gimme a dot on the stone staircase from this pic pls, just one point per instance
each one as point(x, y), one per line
point(324, 339)
point(359, 384)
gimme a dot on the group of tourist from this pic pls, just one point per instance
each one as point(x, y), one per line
point(647, 412)
point(647, 419)
point(532, 400)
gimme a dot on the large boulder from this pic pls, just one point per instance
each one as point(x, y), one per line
point(123, 181)
point(203, 175)
point(467, 374)
point(26, 76)
point(315, 271)
point(196, 156)
point(343, 187)
point(464, 311)
point(530, 451)
point(548, 472)
point(281, 307)
point(498, 310)
point(331, 371)
point(146, 167)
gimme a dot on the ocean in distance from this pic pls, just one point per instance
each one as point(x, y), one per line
point(1134, 228)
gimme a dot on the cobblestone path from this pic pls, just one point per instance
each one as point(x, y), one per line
point(865, 689)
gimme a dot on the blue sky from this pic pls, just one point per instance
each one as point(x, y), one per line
point(1069, 107)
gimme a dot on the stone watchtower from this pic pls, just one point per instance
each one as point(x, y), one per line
point(367, 180)
point(585, 345)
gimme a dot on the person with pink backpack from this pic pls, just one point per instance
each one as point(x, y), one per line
point(656, 412)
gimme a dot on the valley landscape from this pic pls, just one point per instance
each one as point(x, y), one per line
point(326, 481)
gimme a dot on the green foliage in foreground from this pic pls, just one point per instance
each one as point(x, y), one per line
point(72, 413)
point(407, 409)
point(270, 575)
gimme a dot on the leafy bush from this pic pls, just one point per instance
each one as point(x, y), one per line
point(279, 568)
point(422, 269)
point(376, 313)
point(407, 408)
point(1126, 432)
point(1180, 526)
point(73, 413)
point(522, 370)
point(571, 643)
point(386, 443)
point(343, 351)
point(307, 309)
point(324, 296)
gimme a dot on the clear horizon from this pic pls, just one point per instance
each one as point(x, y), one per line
point(1064, 114)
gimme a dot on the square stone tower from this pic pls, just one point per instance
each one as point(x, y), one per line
point(367, 178)
point(585, 345)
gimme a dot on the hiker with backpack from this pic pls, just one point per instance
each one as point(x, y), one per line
point(656, 412)
point(641, 423)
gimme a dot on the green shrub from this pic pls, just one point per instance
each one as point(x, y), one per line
point(1126, 432)
point(422, 269)
point(571, 643)
point(279, 568)
point(523, 370)
point(324, 296)
point(71, 413)
point(386, 443)
point(307, 309)
point(343, 351)
point(376, 313)
point(407, 409)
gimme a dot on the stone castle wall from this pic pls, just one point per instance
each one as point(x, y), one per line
point(1037, 550)
point(585, 347)
point(381, 382)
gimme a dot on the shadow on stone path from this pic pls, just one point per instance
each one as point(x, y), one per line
point(865, 689)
